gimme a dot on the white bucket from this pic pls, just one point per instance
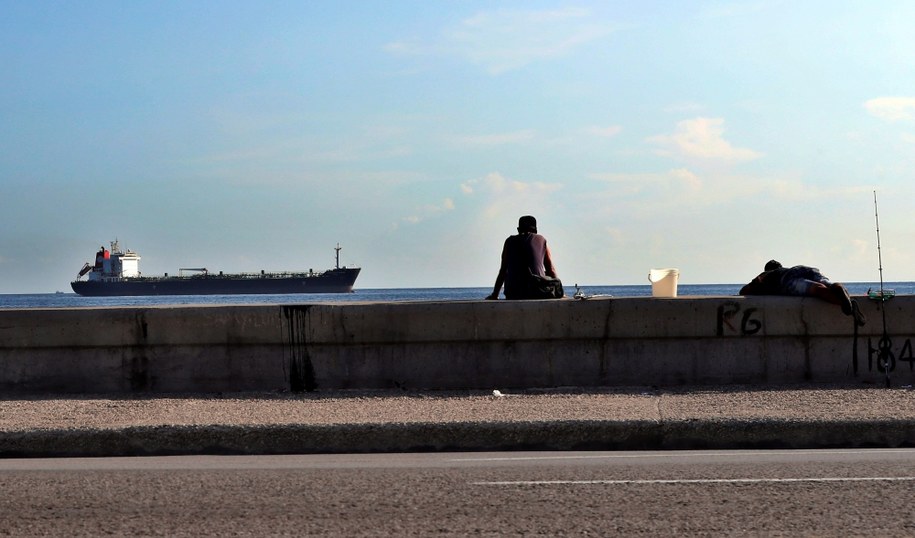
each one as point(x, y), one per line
point(663, 282)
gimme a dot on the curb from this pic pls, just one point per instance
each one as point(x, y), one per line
point(220, 439)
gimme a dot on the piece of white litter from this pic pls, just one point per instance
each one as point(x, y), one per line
point(496, 393)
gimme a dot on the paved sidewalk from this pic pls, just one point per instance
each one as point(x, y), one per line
point(367, 421)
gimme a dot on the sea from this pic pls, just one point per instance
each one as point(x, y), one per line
point(71, 300)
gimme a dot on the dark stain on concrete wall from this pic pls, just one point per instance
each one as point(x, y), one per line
point(138, 373)
point(301, 369)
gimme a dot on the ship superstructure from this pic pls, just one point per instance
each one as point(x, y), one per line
point(112, 265)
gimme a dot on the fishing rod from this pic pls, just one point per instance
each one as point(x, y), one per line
point(879, 254)
point(885, 357)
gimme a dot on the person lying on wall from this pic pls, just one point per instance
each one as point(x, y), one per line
point(527, 269)
point(803, 281)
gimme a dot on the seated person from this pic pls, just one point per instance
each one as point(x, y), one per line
point(802, 281)
point(523, 255)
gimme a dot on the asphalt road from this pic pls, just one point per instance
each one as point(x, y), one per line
point(797, 493)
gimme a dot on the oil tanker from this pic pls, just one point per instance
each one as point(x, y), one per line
point(117, 273)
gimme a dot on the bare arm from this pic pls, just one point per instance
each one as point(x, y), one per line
point(548, 266)
point(753, 288)
point(497, 287)
point(500, 278)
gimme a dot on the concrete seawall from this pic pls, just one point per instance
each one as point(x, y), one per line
point(453, 345)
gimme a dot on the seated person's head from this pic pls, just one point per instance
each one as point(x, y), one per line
point(527, 223)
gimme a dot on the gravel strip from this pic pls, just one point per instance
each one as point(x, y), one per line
point(43, 412)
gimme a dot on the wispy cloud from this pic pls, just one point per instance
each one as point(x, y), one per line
point(701, 138)
point(494, 196)
point(504, 40)
point(891, 108)
point(430, 210)
point(496, 183)
point(682, 186)
point(490, 198)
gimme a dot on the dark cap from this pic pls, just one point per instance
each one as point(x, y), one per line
point(527, 223)
point(772, 264)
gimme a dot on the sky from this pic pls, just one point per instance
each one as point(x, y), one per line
point(247, 136)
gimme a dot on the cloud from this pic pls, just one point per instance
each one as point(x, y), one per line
point(701, 138)
point(686, 177)
point(430, 210)
point(496, 184)
point(891, 108)
point(494, 196)
point(683, 189)
point(504, 40)
point(487, 200)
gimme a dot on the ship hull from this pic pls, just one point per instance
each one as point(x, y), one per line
point(332, 281)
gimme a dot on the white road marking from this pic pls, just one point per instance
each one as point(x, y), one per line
point(674, 454)
point(696, 481)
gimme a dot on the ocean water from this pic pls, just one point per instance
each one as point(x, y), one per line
point(71, 300)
